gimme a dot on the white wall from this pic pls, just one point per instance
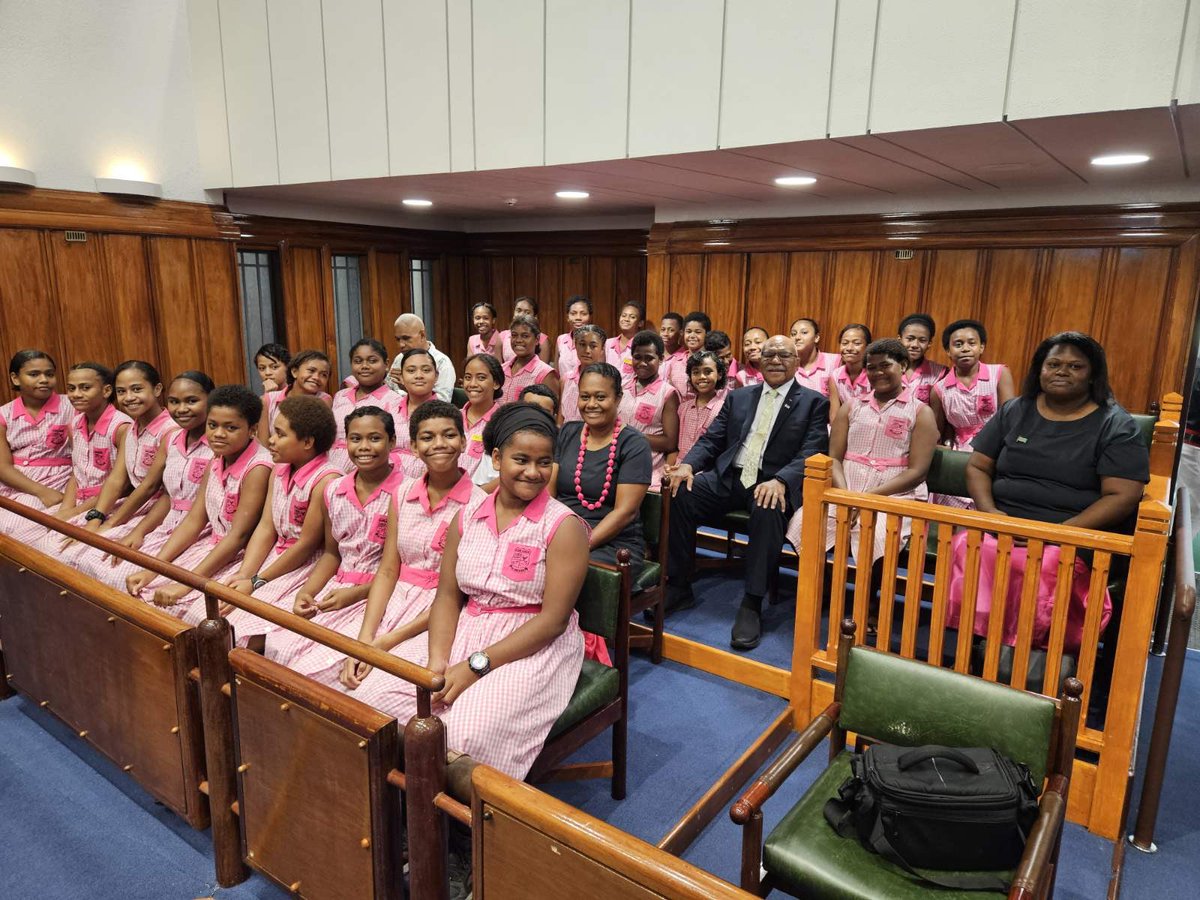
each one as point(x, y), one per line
point(99, 89)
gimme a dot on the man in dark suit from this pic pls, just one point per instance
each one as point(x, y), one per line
point(752, 457)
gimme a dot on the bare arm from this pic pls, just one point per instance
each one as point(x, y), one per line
point(835, 399)
point(625, 509)
point(551, 381)
point(312, 535)
point(839, 434)
point(1005, 390)
point(980, 472)
point(11, 475)
point(669, 439)
point(140, 494)
point(939, 414)
point(1119, 498)
point(325, 569)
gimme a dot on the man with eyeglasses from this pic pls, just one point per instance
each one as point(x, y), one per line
point(752, 457)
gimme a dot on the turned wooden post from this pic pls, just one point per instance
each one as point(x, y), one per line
point(425, 777)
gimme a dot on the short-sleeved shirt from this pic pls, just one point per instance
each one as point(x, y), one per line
point(632, 466)
point(1050, 470)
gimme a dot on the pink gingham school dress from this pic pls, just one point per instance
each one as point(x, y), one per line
point(568, 359)
point(967, 409)
point(674, 370)
point(641, 408)
point(40, 450)
point(347, 401)
point(93, 451)
point(533, 372)
point(494, 347)
point(847, 388)
point(182, 474)
point(291, 500)
point(504, 718)
point(877, 448)
point(470, 458)
point(221, 497)
point(568, 404)
point(695, 419)
point(621, 357)
point(506, 350)
point(747, 376)
point(421, 540)
point(816, 377)
point(360, 529)
point(403, 457)
point(922, 378)
point(272, 399)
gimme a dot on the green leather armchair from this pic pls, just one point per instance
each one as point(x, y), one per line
point(883, 697)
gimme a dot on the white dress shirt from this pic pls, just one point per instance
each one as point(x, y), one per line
point(782, 392)
point(443, 388)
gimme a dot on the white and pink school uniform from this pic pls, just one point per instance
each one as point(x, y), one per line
point(421, 530)
point(877, 448)
point(360, 529)
point(494, 346)
point(222, 494)
point(620, 356)
point(403, 456)
point(182, 474)
point(506, 350)
point(272, 399)
point(291, 499)
point(817, 375)
point(504, 718)
point(516, 380)
point(347, 401)
point(568, 359)
point(641, 407)
point(568, 402)
point(40, 451)
point(967, 409)
point(923, 377)
point(746, 376)
point(471, 458)
point(695, 419)
point(674, 370)
point(847, 387)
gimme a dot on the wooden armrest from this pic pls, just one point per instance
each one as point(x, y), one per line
point(793, 753)
point(1039, 848)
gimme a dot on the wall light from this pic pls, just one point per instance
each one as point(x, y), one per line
point(795, 180)
point(124, 187)
point(572, 195)
point(416, 201)
point(11, 175)
point(1120, 159)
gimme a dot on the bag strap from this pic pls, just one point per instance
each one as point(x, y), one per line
point(921, 754)
point(967, 881)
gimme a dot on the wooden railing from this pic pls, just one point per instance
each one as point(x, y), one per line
point(909, 624)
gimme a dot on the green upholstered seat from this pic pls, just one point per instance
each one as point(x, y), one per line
point(648, 577)
point(948, 472)
point(810, 859)
point(1145, 425)
point(458, 397)
point(598, 686)
point(651, 515)
point(909, 703)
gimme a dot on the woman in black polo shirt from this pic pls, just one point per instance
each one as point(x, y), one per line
point(1063, 452)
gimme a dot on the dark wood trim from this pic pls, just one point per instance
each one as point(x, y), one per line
point(256, 230)
point(623, 242)
point(43, 208)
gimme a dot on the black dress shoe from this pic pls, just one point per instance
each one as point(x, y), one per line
point(747, 630)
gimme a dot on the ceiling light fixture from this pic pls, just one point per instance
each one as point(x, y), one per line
point(17, 176)
point(416, 201)
point(1120, 159)
point(126, 187)
point(572, 195)
point(795, 180)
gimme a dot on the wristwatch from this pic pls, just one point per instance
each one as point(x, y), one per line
point(93, 515)
point(256, 582)
point(479, 663)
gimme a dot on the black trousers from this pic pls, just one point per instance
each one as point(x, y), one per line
point(706, 503)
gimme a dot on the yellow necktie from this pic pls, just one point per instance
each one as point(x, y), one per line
point(758, 438)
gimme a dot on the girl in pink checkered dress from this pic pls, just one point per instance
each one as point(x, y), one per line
point(212, 535)
point(356, 526)
point(752, 343)
point(589, 348)
point(850, 379)
point(579, 313)
point(308, 375)
point(486, 338)
point(917, 332)
point(970, 394)
point(511, 656)
point(670, 329)
point(814, 369)
point(618, 351)
point(135, 481)
point(422, 512)
point(418, 377)
point(369, 363)
point(696, 326)
point(707, 374)
point(524, 306)
point(649, 404)
point(881, 444)
point(483, 383)
point(95, 435)
point(526, 367)
point(289, 538)
point(187, 456)
point(35, 434)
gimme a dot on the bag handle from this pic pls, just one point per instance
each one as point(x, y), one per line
point(920, 754)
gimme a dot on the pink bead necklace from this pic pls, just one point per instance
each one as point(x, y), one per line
point(612, 459)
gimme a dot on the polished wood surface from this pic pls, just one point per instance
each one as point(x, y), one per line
point(528, 844)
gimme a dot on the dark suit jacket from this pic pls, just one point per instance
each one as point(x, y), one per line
point(801, 429)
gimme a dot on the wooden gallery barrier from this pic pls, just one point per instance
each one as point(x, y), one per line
point(296, 779)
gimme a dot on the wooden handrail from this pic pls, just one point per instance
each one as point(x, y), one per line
point(387, 662)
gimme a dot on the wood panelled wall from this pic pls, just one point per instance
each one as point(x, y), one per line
point(1127, 278)
point(151, 281)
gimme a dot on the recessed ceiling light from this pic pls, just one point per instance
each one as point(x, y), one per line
point(572, 195)
point(1120, 159)
point(416, 201)
point(795, 180)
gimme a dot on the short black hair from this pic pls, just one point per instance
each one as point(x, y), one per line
point(373, 344)
point(530, 300)
point(639, 307)
point(301, 358)
point(919, 319)
point(604, 370)
point(526, 322)
point(434, 409)
point(860, 326)
point(590, 328)
point(416, 351)
point(579, 298)
point(494, 369)
point(489, 306)
point(310, 418)
point(105, 373)
point(674, 317)
point(648, 338)
point(274, 351)
point(21, 357)
point(700, 356)
point(816, 326)
point(539, 390)
point(697, 316)
point(717, 340)
point(1100, 390)
point(889, 347)
point(137, 365)
point(366, 412)
point(766, 333)
point(239, 397)
point(196, 377)
point(958, 324)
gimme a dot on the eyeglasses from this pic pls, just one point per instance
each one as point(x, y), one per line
point(777, 354)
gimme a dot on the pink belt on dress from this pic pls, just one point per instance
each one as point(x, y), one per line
point(475, 608)
point(423, 578)
point(877, 463)
point(87, 493)
point(184, 505)
point(351, 577)
point(47, 462)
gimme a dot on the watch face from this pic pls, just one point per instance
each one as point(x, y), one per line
point(478, 662)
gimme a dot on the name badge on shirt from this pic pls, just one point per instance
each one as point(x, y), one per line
point(520, 562)
point(475, 447)
point(1022, 440)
